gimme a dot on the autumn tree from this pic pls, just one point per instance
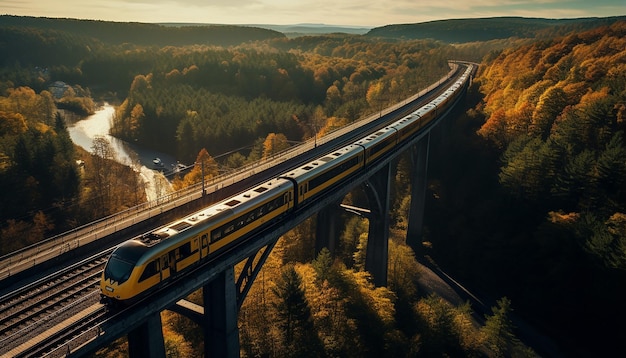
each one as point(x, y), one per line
point(102, 155)
point(204, 164)
point(551, 104)
point(135, 121)
point(109, 182)
point(274, 143)
point(439, 335)
point(375, 95)
point(331, 124)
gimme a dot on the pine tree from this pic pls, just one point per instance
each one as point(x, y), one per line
point(294, 315)
point(498, 329)
point(322, 265)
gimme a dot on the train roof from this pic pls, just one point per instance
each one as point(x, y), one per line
point(161, 238)
point(374, 138)
point(130, 251)
point(312, 168)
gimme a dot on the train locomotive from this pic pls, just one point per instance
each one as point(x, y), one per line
point(147, 262)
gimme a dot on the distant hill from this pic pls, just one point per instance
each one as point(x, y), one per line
point(317, 29)
point(297, 29)
point(485, 29)
point(143, 33)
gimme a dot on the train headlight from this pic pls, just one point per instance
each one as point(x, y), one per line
point(109, 288)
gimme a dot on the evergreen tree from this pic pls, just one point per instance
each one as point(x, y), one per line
point(294, 314)
point(322, 265)
point(498, 330)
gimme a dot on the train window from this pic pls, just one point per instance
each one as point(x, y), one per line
point(380, 146)
point(239, 222)
point(152, 268)
point(205, 241)
point(233, 202)
point(330, 174)
point(185, 250)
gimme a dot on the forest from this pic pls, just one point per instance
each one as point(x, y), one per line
point(525, 205)
point(539, 192)
point(143, 34)
point(487, 29)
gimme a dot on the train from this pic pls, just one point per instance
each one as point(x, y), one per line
point(147, 262)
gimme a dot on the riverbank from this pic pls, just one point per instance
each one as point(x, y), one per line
point(83, 131)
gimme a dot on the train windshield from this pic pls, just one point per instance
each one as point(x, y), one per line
point(123, 260)
point(118, 270)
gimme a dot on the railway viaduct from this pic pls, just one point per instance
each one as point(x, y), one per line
point(223, 292)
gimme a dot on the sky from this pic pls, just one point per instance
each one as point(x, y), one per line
point(366, 13)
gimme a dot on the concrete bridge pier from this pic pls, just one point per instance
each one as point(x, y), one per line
point(419, 159)
point(146, 341)
point(221, 334)
point(377, 188)
point(217, 316)
point(326, 228)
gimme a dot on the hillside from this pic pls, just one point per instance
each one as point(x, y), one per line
point(145, 34)
point(485, 29)
point(534, 207)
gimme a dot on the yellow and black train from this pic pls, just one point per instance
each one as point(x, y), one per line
point(147, 262)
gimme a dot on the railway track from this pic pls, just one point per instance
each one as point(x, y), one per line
point(42, 315)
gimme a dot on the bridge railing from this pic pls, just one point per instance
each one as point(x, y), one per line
point(34, 254)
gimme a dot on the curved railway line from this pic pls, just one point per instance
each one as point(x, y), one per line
point(55, 314)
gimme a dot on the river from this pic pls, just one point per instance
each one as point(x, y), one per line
point(83, 131)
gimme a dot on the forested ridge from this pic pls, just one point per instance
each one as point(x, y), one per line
point(525, 205)
point(486, 29)
point(540, 193)
point(118, 33)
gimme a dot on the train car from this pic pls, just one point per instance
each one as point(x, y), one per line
point(407, 126)
point(412, 123)
point(314, 177)
point(440, 103)
point(144, 263)
point(427, 113)
point(378, 144)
